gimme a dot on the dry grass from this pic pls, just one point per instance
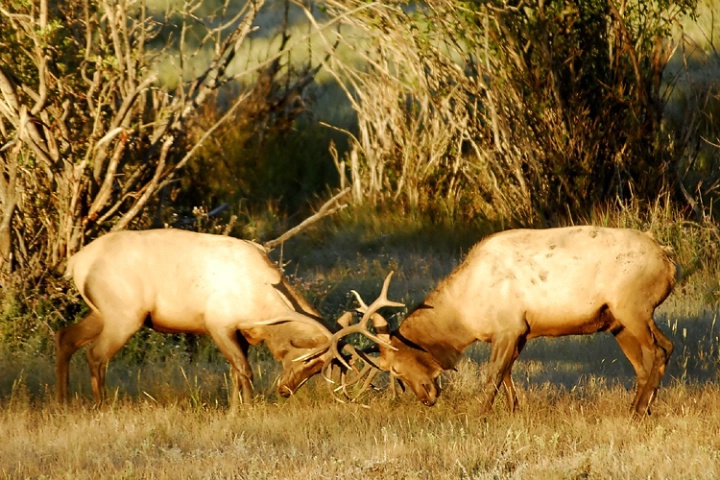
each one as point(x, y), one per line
point(559, 433)
point(169, 420)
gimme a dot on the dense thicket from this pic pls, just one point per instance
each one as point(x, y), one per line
point(520, 111)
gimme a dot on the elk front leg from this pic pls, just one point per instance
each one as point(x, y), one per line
point(234, 348)
point(512, 401)
point(503, 353)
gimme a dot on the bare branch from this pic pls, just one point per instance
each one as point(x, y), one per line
point(150, 188)
point(327, 208)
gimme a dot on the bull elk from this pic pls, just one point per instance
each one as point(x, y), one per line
point(522, 284)
point(180, 281)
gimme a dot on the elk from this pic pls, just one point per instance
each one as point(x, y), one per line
point(521, 284)
point(177, 281)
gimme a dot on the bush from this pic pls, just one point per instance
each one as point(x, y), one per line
point(519, 113)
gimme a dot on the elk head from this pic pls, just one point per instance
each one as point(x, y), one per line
point(302, 350)
point(409, 363)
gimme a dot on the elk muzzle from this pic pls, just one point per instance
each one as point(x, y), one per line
point(426, 392)
point(295, 374)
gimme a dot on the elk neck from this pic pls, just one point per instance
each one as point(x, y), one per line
point(435, 327)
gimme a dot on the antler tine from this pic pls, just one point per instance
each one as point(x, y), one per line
point(381, 301)
point(367, 373)
point(289, 316)
point(363, 306)
point(369, 311)
point(339, 390)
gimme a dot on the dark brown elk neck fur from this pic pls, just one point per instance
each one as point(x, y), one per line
point(298, 303)
point(434, 328)
point(284, 337)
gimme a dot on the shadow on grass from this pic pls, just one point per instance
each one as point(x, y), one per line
point(173, 377)
point(568, 361)
point(565, 363)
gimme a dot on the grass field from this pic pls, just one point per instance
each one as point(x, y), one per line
point(167, 417)
point(580, 433)
point(169, 421)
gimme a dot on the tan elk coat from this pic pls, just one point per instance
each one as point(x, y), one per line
point(180, 281)
point(521, 284)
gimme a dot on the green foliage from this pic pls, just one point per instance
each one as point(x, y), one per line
point(30, 317)
point(595, 74)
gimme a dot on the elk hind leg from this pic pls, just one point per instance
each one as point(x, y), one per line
point(663, 342)
point(632, 349)
point(648, 351)
point(67, 342)
point(104, 348)
point(661, 349)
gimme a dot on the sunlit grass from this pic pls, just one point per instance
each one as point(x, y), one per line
point(167, 411)
point(703, 30)
point(583, 432)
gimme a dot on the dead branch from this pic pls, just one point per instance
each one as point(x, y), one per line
point(327, 208)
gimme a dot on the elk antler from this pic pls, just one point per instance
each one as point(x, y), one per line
point(289, 316)
point(366, 376)
point(331, 345)
point(360, 327)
